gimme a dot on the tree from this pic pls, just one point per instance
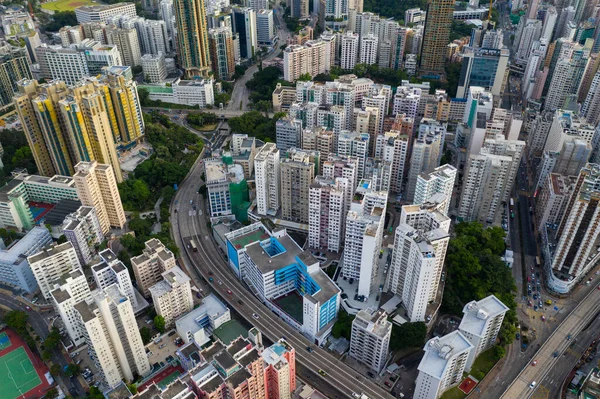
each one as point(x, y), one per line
point(132, 388)
point(343, 325)
point(51, 393)
point(55, 370)
point(498, 352)
point(144, 96)
point(95, 393)
point(61, 240)
point(159, 323)
point(60, 19)
point(408, 335)
point(16, 319)
point(141, 227)
point(146, 334)
point(305, 77)
point(46, 355)
point(71, 370)
point(53, 339)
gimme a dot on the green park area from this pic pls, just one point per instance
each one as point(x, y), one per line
point(67, 5)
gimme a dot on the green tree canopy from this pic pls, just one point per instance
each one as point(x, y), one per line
point(159, 323)
point(146, 334)
point(408, 335)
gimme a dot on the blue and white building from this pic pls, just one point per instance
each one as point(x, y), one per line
point(275, 267)
point(198, 325)
point(14, 267)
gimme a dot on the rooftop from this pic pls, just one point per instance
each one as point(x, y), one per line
point(439, 351)
point(477, 313)
point(240, 376)
point(374, 321)
point(50, 252)
point(225, 360)
point(210, 306)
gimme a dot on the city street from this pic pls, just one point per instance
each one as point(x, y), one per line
point(209, 259)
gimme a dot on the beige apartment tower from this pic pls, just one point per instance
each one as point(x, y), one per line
point(297, 174)
point(149, 266)
point(96, 186)
point(172, 297)
point(436, 36)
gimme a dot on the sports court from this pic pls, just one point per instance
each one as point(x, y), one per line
point(291, 304)
point(468, 384)
point(21, 372)
point(39, 210)
point(4, 341)
point(21, 375)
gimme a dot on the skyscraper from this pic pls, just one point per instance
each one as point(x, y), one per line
point(149, 266)
point(221, 52)
point(192, 37)
point(244, 24)
point(439, 181)
point(370, 338)
point(172, 296)
point(266, 169)
point(326, 213)
point(297, 174)
point(436, 36)
point(52, 263)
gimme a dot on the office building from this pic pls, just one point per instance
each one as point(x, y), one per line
point(436, 36)
point(439, 181)
point(112, 271)
point(364, 233)
point(82, 229)
point(220, 41)
point(51, 263)
point(370, 338)
point(298, 171)
point(443, 365)
point(14, 266)
point(154, 68)
point(326, 213)
point(70, 289)
point(192, 37)
point(288, 133)
point(198, 324)
point(426, 153)
point(483, 67)
point(418, 259)
point(149, 266)
point(349, 50)
point(113, 337)
point(265, 27)
point(267, 179)
point(172, 296)
point(101, 13)
point(481, 324)
point(275, 266)
point(97, 187)
point(244, 24)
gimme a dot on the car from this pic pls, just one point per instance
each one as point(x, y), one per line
point(150, 354)
point(28, 308)
point(309, 349)
point(172, 333)
point(162, 346)
point(255, 315)
point(555, 354)
point(518, 336)
point(78, 362)
point(543, 318)
point(210, 279)
point(534, 363)
point(387, 384)
point(229, 292)
point(598, 287)
point(149, 321)
point(322, 372)
point(220, 282)
point(355, 395)
point(569, 337)
point(532, 385)
point(198, 295)
point(370, 374)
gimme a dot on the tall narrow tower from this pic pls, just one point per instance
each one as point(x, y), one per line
point(436, 36)
point(192, 37)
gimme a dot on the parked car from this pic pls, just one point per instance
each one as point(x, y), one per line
point(322, 372)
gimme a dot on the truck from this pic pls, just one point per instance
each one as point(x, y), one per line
point(193, 245)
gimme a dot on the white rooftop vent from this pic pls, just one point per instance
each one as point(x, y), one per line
point(445, 351)
point(482, 314)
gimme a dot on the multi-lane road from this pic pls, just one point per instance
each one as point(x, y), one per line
point(209, 259)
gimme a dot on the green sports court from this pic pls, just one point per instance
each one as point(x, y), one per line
point(21, 376)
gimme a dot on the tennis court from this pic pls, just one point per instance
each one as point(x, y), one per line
point(4, 341)
point(21, 376)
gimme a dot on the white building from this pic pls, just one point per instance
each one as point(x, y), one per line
point(288, 133)
point(101, 13)
point(149, 266)
point(418, 259)
point(52, 263)
point(70, 289)
point(219, 178)
point(406, 101)
point(265, 27)
point(266, 169)
point(443, 365)
point(188, 92)
point(351, 144)
point(112, 271)
point(14, 267)
point(199, 324)
point(172, 297)
point(368, 49)
point(364, 233)
point(65, 64)
point(481, 324)
point(349, 50)
point(439, 181)
point(113, 336)
point(326, 213)
point(370, 338)
point(393, 147)
point(154, 68)
point(83, 230)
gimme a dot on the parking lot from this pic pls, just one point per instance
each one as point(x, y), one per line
point(162, 349)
